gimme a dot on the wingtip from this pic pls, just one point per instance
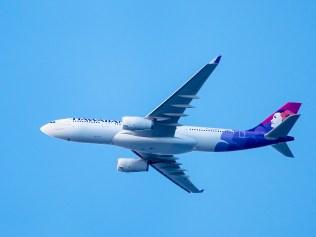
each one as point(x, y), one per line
point(216, 60)
point(199, 191)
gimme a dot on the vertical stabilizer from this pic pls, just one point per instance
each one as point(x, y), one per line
point(283, 128)
point(275, 119)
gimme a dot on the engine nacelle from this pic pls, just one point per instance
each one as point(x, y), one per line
point(136, 123)
point(131, 165)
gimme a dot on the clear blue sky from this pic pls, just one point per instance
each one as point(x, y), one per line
point(104, 59)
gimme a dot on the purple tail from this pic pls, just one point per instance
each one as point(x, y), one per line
point(277, 117)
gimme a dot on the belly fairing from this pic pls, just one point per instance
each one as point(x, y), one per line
point(206, 138)
point(154, 145)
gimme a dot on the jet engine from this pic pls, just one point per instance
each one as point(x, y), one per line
point(136, 123)
point(131, 165)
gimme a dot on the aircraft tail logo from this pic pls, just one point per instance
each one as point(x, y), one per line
point(279, 116)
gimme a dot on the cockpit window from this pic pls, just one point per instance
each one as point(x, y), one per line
point(52, 122)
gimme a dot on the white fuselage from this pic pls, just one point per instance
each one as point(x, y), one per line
point(186, 139)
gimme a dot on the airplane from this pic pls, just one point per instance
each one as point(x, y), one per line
point(158, 137)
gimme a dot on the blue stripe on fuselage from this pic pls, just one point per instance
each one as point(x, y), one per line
point(239, 140)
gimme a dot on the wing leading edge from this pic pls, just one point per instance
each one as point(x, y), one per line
point(168, 166)
point(168, 113)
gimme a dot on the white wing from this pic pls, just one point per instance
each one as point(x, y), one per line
point(167, 114)
point(170, 168)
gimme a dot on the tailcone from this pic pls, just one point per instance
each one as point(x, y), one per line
point(285, 139)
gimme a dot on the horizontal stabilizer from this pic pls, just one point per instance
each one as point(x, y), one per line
point(284, 149)
point(283, 128)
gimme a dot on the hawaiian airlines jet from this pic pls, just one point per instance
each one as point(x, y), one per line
point(156, 138)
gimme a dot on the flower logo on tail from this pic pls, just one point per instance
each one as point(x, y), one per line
point(279, 117)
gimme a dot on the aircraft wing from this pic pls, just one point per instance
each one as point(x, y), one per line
point(168, 166)
point(167, 114)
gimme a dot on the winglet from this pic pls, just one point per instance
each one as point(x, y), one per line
point(216, 60)
point(196, 191)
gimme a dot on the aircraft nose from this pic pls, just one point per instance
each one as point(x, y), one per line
point(45, 129)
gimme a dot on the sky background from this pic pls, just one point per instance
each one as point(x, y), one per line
point(107, 59)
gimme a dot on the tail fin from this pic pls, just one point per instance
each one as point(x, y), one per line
point(290, 109)
point(283, 128)
point(281, 131)
point(279, 124)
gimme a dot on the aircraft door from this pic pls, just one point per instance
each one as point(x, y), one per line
point(242, 134)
